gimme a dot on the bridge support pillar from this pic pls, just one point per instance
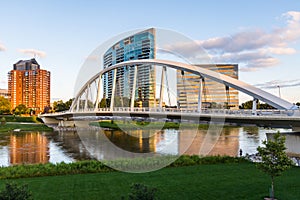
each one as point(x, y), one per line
point(98, 93)
point(161, 96)
point(78, 104)
point(133, 88)
point(254, 106)
point(112, 98)
point(86, 98)
point(200, 95)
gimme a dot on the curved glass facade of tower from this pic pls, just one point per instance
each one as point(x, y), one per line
point(138, 46)
point(214, 94)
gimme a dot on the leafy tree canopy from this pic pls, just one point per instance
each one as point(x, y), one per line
point(59, 106)
point(4, 105)
point(21, 109)
point(248, 105)
point(273, 157)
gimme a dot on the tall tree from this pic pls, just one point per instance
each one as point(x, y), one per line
point(59, 106)
point(5, 106)
point(21, 109)
point(273, 158)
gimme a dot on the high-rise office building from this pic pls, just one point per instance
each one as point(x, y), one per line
point(138, 46)
point(29, 85)
point(214, 94)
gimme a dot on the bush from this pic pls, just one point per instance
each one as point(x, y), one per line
point(13, 191)
point(140, 191)
point(3, 121)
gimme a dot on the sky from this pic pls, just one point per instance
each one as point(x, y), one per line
point(263, 37)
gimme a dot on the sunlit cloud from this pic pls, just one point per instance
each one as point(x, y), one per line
point(256, 49)
point(2, 47)
point(252, 49)
point(279, 83)
point(92, 58)
point(2, 82)
point(33, 52)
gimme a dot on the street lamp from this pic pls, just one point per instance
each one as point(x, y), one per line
point(279, 91)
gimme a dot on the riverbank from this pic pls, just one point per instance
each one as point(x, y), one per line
point(93, 166)
point(135, 125)
point(24, 127)
point(211, 181)
point(22, 123)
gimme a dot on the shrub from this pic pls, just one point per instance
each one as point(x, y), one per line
point(15, 192)
point(140, 191)
point(3, 121)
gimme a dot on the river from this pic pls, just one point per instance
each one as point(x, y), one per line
point(70, 146)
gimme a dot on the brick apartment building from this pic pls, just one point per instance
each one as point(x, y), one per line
point(29, 85)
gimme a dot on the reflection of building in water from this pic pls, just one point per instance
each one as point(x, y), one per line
point(227, 143)
point(115, 144)
point(137, 141)
point(70, 143)
point(29, 148)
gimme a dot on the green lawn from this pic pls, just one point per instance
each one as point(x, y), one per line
point(24, 127)
point(216, 181)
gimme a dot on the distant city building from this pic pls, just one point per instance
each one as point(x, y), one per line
point(4, 93)
point(138, 46)
point(29, 85)
point(214, 94)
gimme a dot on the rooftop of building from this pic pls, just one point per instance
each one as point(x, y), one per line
point(30, 64)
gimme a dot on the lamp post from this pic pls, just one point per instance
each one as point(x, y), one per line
point(279, 91)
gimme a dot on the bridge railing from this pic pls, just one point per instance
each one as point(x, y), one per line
point(195, 111)
point(241, 112)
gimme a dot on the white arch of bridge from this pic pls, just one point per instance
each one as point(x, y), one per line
point(241, 86)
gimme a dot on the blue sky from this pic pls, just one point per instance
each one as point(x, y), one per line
point(262, 36)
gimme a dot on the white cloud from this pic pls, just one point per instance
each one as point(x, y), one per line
point(3, 82)
point(33, 52)
point(92, 58)
point(2, 47)
point(279, 83)
point(252, 49)
point(279, 50)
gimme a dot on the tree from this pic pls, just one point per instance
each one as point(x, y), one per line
point(140, 191)
point(248, 105)
point(4, 106)
point(21, 109)
point(273, 158)
point(59, 106)
point(15, 191)
point(104, 103)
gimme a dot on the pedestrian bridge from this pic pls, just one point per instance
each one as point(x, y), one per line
point(83, 107)
point(264, 118)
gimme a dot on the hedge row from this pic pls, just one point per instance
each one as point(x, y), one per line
point(93, 166)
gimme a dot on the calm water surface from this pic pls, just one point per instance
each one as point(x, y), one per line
point(69, 146)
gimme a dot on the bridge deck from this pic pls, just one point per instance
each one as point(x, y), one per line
point(267, 118)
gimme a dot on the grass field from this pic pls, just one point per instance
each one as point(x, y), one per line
point(30, 123)
point(24, 127)
point(215, 181)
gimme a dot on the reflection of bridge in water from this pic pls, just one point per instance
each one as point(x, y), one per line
point(286, 115)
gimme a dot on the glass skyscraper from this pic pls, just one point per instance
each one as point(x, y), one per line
point(138, 46)
point(214, 94)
